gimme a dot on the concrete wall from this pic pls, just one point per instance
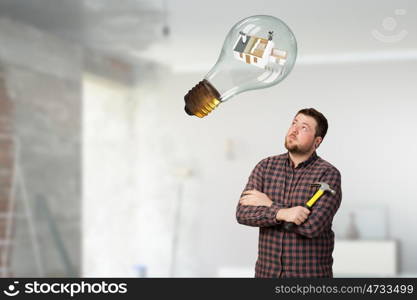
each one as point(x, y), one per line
point(6, 175)
point(45, 80)
point(42, 75)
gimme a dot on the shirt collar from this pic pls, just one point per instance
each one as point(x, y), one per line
point(305, 163)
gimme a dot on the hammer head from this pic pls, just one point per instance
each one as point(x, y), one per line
point(324, 187)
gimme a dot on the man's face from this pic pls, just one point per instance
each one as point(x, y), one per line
point(300, 138)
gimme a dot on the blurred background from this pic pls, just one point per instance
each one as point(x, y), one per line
point(104, 175)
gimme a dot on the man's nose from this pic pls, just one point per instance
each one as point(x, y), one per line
point(294, 130)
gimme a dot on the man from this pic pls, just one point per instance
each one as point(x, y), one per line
point(276, 191)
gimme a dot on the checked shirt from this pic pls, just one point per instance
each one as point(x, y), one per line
point(307, 251)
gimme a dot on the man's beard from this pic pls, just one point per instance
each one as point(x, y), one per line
point(296, 149)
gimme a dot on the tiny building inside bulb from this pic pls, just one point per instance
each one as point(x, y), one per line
point(258, 52)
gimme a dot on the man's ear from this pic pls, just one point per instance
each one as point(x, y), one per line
point(318, 141)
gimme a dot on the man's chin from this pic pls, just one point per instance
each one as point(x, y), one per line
point(294, 149)
point(291, 147)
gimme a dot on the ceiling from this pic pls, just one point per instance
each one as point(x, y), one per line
point(120, 28)
point(134, 29)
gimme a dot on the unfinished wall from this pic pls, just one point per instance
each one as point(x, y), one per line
point(42, 76)
point(6, 174)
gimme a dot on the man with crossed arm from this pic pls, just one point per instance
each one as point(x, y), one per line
point(276, 191)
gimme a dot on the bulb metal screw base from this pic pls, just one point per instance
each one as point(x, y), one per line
point(201, 99)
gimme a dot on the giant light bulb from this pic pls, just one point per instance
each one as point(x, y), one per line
point(258, 52)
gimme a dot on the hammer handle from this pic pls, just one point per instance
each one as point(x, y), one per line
point(313, 199)
point(288, 226)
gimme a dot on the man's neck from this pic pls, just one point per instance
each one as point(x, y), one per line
point(297, 159)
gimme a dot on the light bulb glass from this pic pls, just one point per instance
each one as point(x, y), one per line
point(258, 52)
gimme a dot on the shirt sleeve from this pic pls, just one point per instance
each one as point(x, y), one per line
point(257, 216)
point(324, 209)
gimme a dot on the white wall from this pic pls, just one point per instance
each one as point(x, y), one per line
point(371, 111)
point(109, 195)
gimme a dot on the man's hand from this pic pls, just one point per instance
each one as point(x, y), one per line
point(255, 198)
point(297, 214)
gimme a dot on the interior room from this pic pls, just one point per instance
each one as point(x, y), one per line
point(103, 173)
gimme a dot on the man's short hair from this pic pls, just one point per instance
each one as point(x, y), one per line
point(322, 125)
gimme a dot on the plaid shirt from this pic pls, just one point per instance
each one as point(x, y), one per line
point(307, 251)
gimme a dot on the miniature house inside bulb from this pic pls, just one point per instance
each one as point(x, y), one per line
point(258, 52)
